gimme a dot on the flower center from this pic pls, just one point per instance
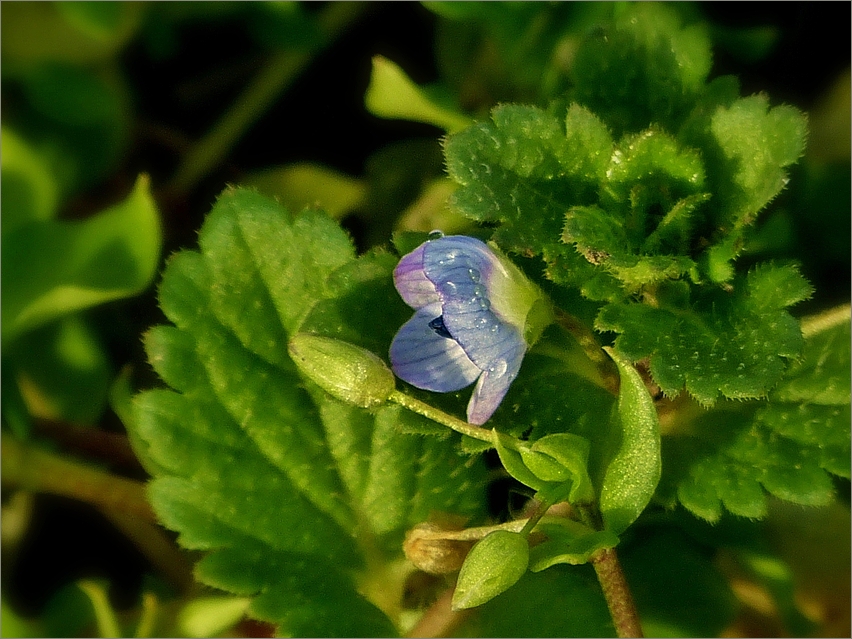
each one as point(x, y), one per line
point(437, 325)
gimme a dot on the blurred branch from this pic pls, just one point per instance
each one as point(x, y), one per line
point(113, 448)
point(278, 73)
point(29, 467)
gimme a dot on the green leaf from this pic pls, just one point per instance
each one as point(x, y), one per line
point(523, 170)
point(207, 616)
point(53, 268)
point(393, 95)
point(279, 482)
point(568, 542)
point(30, 191)
point(755, 144)
point(304, 184)
point(643, 68)
point(62, 370)
point(786, 445)
point(571, 454)
point(493, 565)
point(734, 344)
point(634, 470)
point(572, 591)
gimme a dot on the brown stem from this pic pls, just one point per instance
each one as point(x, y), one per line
point(40, 471)
point(440, 620)
point(617, 593)
point(90, 442)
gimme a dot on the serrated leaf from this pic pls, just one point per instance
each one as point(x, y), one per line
point(756, 143)
point(738, 346)
point(281, 483)
point(642, 68)
point(53, 268)
point(786, 445)
point(524, 170)
point(634, 468)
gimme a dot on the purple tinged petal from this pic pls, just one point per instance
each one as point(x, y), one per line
point(421, 357)
point(449, 278)
point(410, 279)
point(493, 386)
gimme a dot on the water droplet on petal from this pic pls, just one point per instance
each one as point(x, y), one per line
point(474, 275)
point(435, 235)
point(484, 304)
point(449, 288)
point(499, 368)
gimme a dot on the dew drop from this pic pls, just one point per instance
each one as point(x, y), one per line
point(480, 291)
point(435, 235)
point(474, 275)
point(449, 288)
point(484, 304)
point(499, 368)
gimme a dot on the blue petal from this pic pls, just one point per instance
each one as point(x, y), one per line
point(459, 267)
point(410, 280)
point(425, 359)
point(492, 387)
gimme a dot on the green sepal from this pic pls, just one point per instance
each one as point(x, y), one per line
point(493, 566)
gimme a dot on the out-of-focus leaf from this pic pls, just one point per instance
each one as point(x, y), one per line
point(62, 371)
point(75, 32)
point(30, 191)
point(301, 185)
point(393, 95)
point(53, 268)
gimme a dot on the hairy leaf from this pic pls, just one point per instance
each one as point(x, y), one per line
point(786, 445)
point(281, 483)
point(736, 345)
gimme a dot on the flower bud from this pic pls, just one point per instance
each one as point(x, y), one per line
point(350, 373)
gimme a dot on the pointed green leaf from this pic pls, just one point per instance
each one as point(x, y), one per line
point(634, 470)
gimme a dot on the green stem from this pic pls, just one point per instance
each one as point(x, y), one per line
point(591, 347)
point(617, 593)
point(104, 614)
point(278, 73)
point(437, 415)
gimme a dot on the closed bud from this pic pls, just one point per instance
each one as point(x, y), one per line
point(350, 373)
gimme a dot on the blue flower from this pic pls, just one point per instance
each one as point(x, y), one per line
point(472, 310)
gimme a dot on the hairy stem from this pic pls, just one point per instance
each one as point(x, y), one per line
point(437, 415)
point(278, 73)
point(617, 593)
